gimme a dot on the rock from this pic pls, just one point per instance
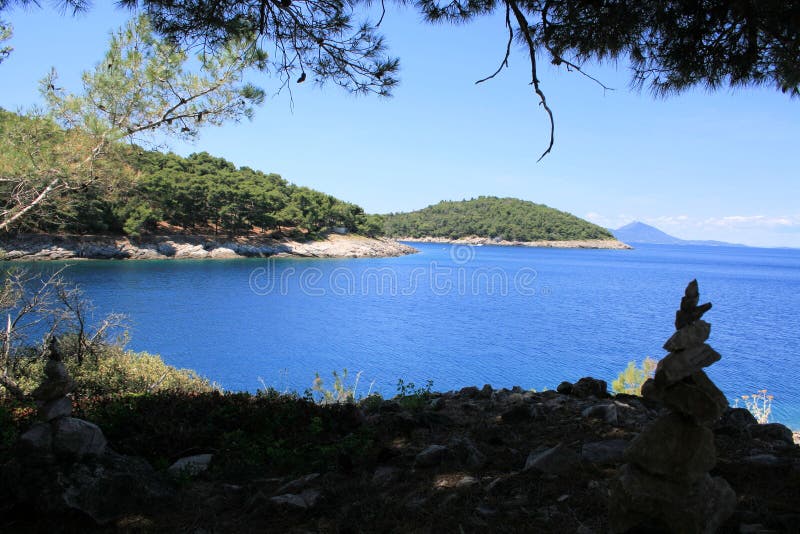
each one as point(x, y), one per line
point(764, 459)
point(223, 252)
point(466, 482)
point(556, 460)
point(438, 404)
point(75, 438)
point(678, 365)
point(466, 452)
point(685, 318)
point(688, 336)
point(771, 432)
point(565, 388)
point(53, 389)
point(298, 484)
point(61, 407)
point(114, 486)
point(191, 465)
point(311, 496)
point(518, 413)
point(696, 396)
point(641, 499)
point(689, 311)
point(430, 456)
point(484, 510)
point(471, 392)
point(289, 500)
point(486, 392)
point(606, 452)
point(675, 448)
point(385, 475)
point(55, 370)
point(605, 412)
point(588, 386)
point(735, 421)
point(37, 440)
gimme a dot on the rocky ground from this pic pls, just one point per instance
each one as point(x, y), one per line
point(475, 240)
point(475, 460)
point(36, 247)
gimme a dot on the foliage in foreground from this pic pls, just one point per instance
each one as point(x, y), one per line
point(492, 217)
point(631, 379)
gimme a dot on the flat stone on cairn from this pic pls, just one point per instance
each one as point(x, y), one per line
point(665, 480)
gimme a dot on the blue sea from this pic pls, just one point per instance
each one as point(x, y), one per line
point(459, 315)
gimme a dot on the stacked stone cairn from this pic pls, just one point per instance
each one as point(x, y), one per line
point(665, 482)
point(58, 435)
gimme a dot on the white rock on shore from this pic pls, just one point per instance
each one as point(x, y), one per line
point(39, 247)
point(475, 240)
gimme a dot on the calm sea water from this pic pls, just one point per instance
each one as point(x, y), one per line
point(459, 315)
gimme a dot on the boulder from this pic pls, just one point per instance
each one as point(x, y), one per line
point(565, 388)
point(430, 456)
point(556, 460)
point(735, 421)
point(385, 475)
point(606, 452)
point(37, 440)
point(771, 432)
point(110, 487)
point(298, 484)
point(75, 438)
point(606, 412)
point(588, 386)
point(191, 465)
point(465, 452)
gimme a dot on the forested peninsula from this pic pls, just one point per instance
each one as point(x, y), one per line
point(500, 221)
point(148, 204)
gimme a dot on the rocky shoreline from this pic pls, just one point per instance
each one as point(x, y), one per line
point(39, 247)
point(610, 244)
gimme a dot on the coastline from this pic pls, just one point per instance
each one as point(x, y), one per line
point(43, 247)
point(609, 244)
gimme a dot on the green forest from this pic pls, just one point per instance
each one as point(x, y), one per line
point(132, 190)
point(503, 218)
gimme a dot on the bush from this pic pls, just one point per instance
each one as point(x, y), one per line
point(759, 404)
point(631, 379)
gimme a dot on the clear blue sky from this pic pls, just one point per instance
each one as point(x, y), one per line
point(699, 166)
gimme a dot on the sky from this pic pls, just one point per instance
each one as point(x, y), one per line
point(699, 165)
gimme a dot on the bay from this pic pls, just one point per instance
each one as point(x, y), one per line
point(459, 315)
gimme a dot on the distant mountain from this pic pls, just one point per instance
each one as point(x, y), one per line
point(509, 219)
point(638, 232)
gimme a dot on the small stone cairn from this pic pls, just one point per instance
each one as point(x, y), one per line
point(58, 435)
point(665, 481)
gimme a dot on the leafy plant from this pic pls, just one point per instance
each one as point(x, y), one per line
point(631, 379)
point(413, 397)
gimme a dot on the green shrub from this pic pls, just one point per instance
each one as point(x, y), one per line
point(631, 379)
point(412, 397)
